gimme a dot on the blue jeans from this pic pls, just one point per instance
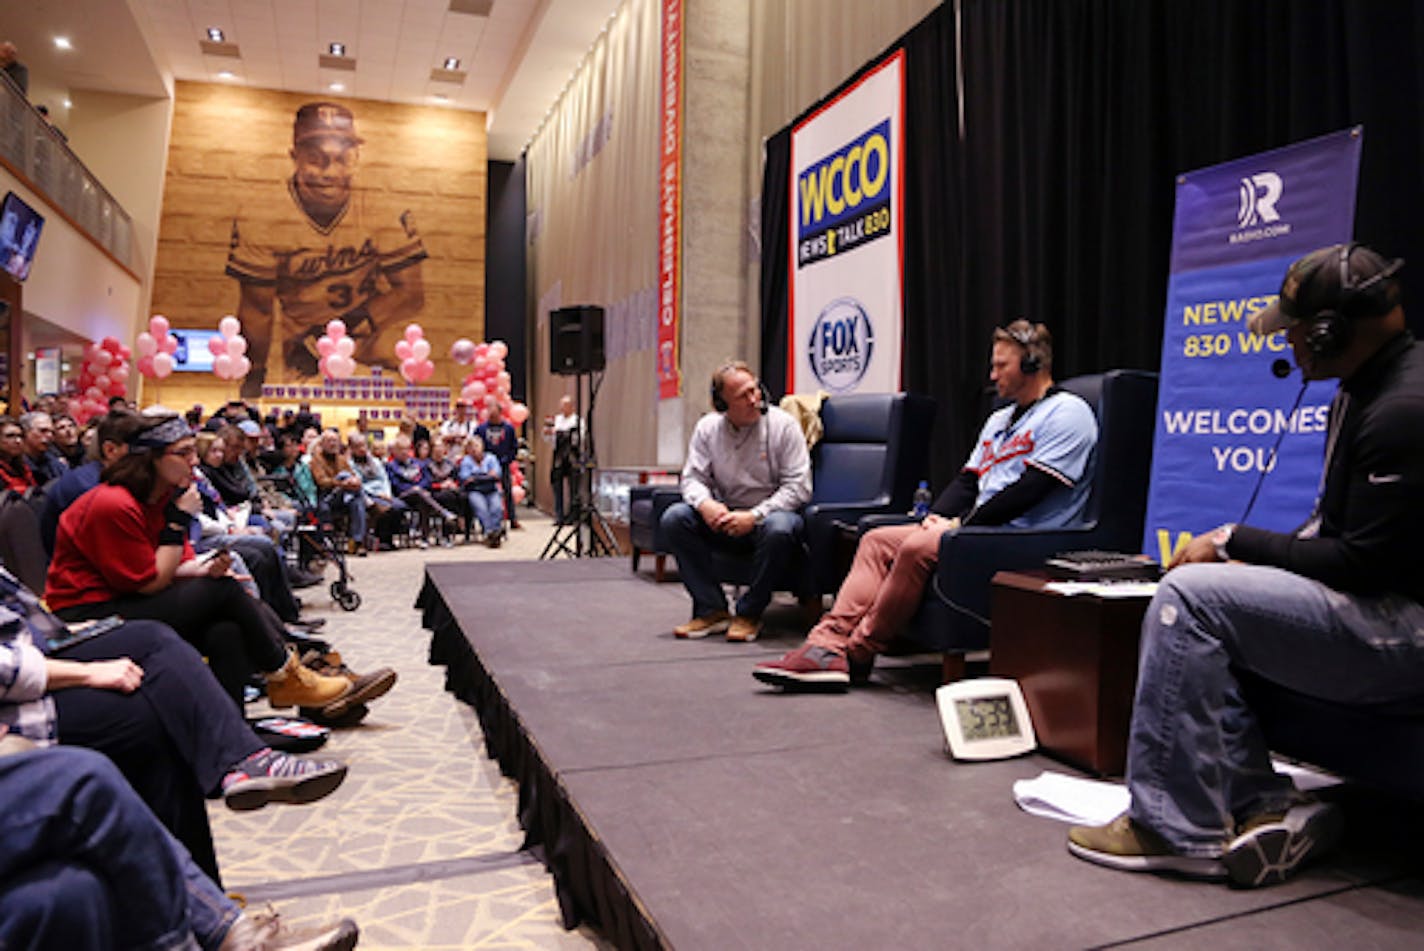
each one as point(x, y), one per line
point(72, 809)
point(1197, 760)
point(488, 508)
point(776, 546)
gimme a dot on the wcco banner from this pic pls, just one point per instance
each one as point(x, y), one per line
point(847, 255)
point(1220, 410)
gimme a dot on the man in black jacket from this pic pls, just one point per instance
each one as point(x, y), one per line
point(1331, 610)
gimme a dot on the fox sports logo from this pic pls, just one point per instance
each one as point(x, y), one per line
point(840, 346)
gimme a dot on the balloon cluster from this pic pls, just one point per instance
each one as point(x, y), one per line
point(414, 354)
point(156, 347)
point(229, 350)
point(336, 349)
point(104, 373)
point(488, 385)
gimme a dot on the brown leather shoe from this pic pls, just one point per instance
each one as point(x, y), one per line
point(744, 629)
point(714, 623)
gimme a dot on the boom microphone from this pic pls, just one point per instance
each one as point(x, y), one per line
point(1281, 369)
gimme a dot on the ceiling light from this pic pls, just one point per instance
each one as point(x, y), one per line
point(452, 63)
point(337, 87)
point(440, 97)
point(62, 42)
point(337, 49)
point(68, 103)
point(227, 74)
point(215, 34)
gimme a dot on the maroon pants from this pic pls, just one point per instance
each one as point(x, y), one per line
point(882, 591)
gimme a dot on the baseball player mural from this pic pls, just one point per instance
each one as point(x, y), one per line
point(336, 256)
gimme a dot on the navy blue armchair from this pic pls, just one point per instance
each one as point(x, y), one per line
point(873, 451)
point(954, 616)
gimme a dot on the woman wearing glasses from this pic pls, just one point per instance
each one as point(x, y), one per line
point(123, 548)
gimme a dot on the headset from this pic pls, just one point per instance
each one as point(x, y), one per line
point(1026, 335)
point(1331, 329)
point(719, 403)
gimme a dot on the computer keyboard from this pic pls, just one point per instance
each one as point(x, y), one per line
point(1104, 565)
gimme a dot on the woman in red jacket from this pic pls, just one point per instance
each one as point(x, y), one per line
point(122, 548)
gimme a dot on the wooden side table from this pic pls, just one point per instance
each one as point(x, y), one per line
point(1075, 657)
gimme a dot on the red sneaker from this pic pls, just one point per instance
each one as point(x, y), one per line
point(806, 668)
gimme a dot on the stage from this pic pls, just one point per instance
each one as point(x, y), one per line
point(679, 803)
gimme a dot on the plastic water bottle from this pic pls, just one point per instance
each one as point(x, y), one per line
point(922, 500)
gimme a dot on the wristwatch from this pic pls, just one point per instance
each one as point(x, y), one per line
point(1220, 538)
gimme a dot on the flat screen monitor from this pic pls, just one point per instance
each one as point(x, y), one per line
point(193, 353)
point(19, 233)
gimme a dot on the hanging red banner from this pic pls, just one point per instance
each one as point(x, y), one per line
point(670, 203)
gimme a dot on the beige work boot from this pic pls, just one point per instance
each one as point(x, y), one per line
point(298, 686)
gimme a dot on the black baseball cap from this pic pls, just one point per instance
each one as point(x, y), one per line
point(316, 119)
point(1313, 284)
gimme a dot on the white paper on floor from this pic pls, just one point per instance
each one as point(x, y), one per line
point(1094, 802)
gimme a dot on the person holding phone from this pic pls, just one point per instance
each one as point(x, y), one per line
point(123, 549)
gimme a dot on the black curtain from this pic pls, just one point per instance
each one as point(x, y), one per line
point(1057, 203)
point(505, 312)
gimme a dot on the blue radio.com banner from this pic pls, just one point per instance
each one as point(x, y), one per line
point(1220, 410)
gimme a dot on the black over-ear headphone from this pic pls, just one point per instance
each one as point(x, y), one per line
point(719, 403)
point(1331, 329)
point(1032, 360)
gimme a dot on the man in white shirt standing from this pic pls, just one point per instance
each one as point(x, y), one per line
point(746, 478)
point(564, 432)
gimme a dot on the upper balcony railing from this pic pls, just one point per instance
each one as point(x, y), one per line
point(39, 153)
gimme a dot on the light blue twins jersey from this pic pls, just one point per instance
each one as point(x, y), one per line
point(1056, 435)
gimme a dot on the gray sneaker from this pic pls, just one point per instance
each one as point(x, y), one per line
point(1273, 846)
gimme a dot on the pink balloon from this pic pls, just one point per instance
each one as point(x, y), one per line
point(426, 370)
point(499, 349)
point(102, 359)
point(125, 351)
point(170, 345)
point(237, 346)
point(518, 413)
point(119, 389)
point(420, 349)
point(321, 364)
point(94, 393)
point(503, 378)
point(482, 348)
point(118, 373)
point(162, 364)
point(217, 345)
point(413, 332)
point(335, 329)
point(112, 345)
point(345, 347)
point(242, 367)
point(222, 366)
point(325, 346)
point(403, 350)
point(477, 389)
point(462, 351)
point(145, 365)
point(497, 363)
point(479, 362)
point(146, 345)
point(158, 326)
point(103, 385)
point(229, 326)
point(517, 493)
point(407, 369)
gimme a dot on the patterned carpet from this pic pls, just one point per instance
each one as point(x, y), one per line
point(420, 844)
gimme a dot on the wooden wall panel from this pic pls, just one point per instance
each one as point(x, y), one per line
point(229, 154)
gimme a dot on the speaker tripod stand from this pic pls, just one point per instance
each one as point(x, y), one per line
point(583, 532)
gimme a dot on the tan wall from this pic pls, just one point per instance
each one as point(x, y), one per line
point(229, 152)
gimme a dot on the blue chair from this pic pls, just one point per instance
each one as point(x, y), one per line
point(873, 452)
point(954, 616)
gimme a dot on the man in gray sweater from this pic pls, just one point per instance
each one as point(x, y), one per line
point(746, 478)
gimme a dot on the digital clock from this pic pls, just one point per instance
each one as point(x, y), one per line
point(985, 718)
